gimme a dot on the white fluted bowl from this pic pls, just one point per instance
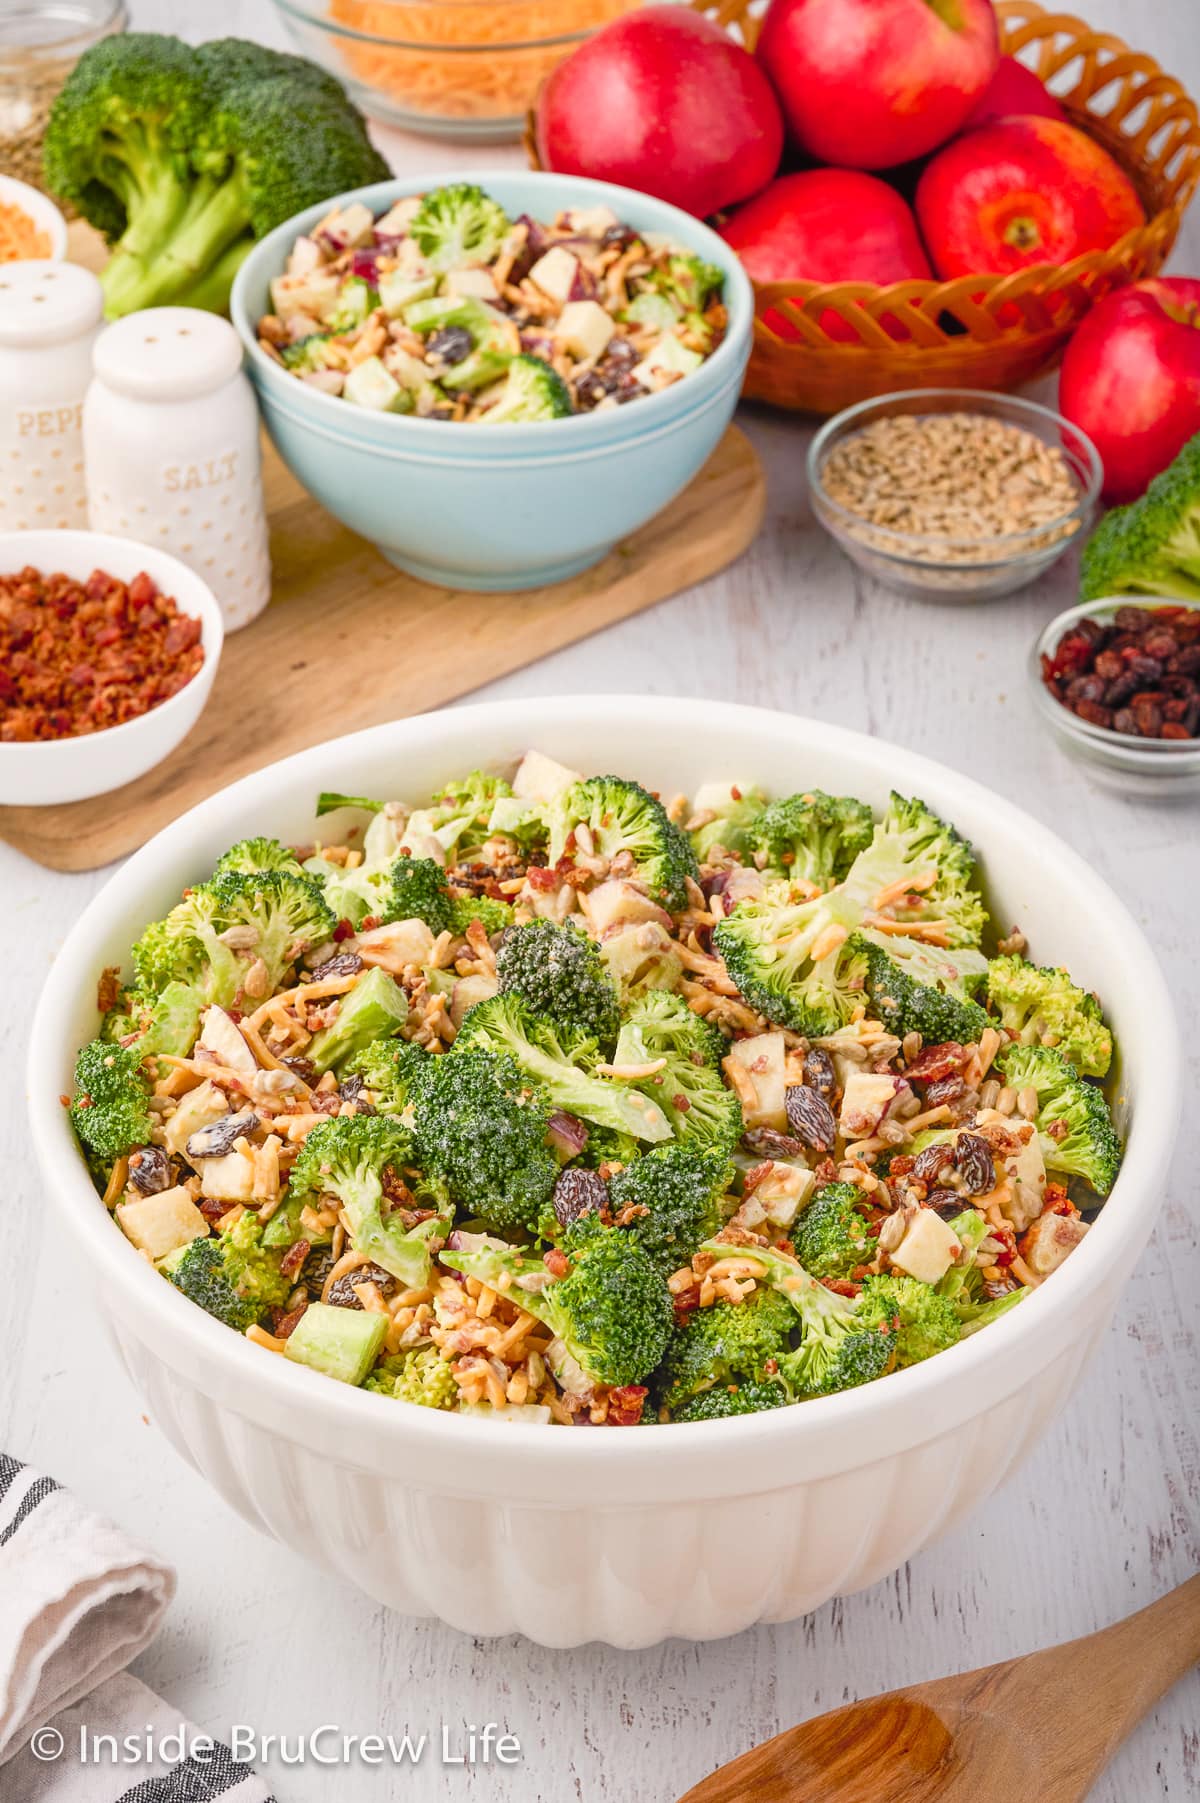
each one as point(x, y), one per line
point(571, 1535)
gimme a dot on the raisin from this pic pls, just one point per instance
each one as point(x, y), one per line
point(973, 1158)
point(1118, 692)
point(1149, 718)
point(317, 1267)
point(578, 1192)
point(341, 1290)
point(1092, 710)
point(1160, 643)
point(809, 1116)
point(946, 1089)
point(819, 1073)
point(1109, 665)
point(1134, 619)
point(1185, 662)
point(449, 345)
point(149, 1170)
point(1087, 688)
point(766, 1142)
point(342, 964)
point(929, 1163)
point(945, 1203)
point(1149, 669)
point(302, 1068)
point(1123, 721)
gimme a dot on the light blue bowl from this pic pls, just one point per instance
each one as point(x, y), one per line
point(500, 507)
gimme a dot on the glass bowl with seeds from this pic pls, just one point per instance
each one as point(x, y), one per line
point(953, 494)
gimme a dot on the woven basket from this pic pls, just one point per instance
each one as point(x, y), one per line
point(987, 331)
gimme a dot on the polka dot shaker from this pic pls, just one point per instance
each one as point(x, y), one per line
point(170, 431)
point(49, 315)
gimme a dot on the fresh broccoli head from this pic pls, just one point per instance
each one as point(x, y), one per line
point(919, 988)
point(259, 854)
point(419, 892)
point(493, 915)
point(747, 1398)
point(688, 1087)
point(420, 1376)
point(923, 1321)
point(1044, 1007)
point(480, 1127)
point(459, 815)
point(458, 226)
point(725, 1344)
point(167, 1022)
point(183, 157)
point(621, 816)
point(813, 836)
point(109, 1110)
point(231, 1275)
point(611, 1311)
point(922, 872)
point(726, 812)
point(1074, 1125)
point(559, 973)
point(375, 1009)
point(532, 390)
point(838, 1349)
point(830, 1236)
point(1151, 547)
point(360, 1159)
point(389, 1068)
point(281, 914)
point(495, 340)
point(677, 1191)
point(561, 1064)
point(789, 957)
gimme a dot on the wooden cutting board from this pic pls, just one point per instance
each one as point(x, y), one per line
point(398, 646)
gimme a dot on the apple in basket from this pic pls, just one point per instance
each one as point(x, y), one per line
point(664, 101)
point(1015, 89)
point(1131, 380)
point(872, 83)
point(827, 225)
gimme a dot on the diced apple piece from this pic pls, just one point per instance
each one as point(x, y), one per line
point(1050, 1240)
point(348, 227)
point(540, 778)
point(620, 902)
point(315, 293)
point(158, 1224)
point(664, 360)
point(398, 289)
point(399, 943)
point(219, 1035)
point(866, 1098)
point(1027, 1188)
point(304, 256)
point(584, 329)
point(198, 1108)
point(591, 221)
point(369, 385)
point(929, 1247)
point(763, 1057)
point(784, 1191)
point(399, 216)
point(555, 273)
point(477, 283)
point(466, 992)
point(228, 1179)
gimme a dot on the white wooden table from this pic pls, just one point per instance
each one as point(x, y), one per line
point(1103, 1518)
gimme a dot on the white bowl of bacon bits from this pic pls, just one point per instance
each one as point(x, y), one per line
point(108, 650)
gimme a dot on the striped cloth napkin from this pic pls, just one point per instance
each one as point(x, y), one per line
point(78, 1601)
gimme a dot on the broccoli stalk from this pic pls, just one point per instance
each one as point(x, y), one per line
point(1151, 547)
point(689, 1087)
point(559, 973)
point(621, 816)
point(1074, 1125)
point(611, 1311)
point(359, 1159)
point(183, 157)
point(1044, 1007)
point(375, 1009)
point(110, 1108)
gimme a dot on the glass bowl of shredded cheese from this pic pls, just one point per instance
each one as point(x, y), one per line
point(449, 68)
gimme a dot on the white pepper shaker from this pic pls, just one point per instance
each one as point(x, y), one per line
point(170, 430)
point(50, 313)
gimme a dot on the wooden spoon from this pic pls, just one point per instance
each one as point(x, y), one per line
point(1037, 1730)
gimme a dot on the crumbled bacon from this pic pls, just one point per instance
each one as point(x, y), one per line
point(626, 1404)
point(108, 989)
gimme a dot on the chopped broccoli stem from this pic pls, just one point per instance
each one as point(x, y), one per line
point(661, 1030)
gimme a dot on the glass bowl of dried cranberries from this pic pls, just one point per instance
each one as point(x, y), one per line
point(1118, 682)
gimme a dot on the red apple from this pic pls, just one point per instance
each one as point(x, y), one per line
point(827, 225)
point(664, 101)
point(872, 83)
point(1015, 89)
point(1131, 380)
point(1020, 192)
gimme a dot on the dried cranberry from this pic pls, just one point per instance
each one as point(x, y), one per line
point(810, 1117)
point(1185, 662)
point(1073, 653)
point(1109, 665)
point(1149, 718)
point(819, 1073)
point(1092, 711)
point(973, 1159)
point(578, 1192)
point(1160, 643)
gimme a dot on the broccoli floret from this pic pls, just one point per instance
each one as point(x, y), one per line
point(375, 1009)
point(186, 947)
point(458, 817)
point(561, 1064)
point(330, 800)
point(918, 988)
point(421, 1376)
point(911, 844)
point(532, 391)
point(689, 1089)
point(458, 225)
point(1076, 1130)
point(481, 1128)
point(259, 854)
point(976, 1315)
point(623, 817)
point(687, 283)
point(357, 300)
point(389, 1068)
point(306, 354)
point(1151, 547)
point(612, 1311)
point(748, 1398)
point(733, 808)
point(768, 944)
point(168, 1022)
point(1044, 1007)
point(419, 892)
point(495, 340)
point(492, 914)
point(353, 1157)
point(285, 911)
point(923, 1321)
point(838, 1349)
point(679, 1187)
point(725, 1344)
point(813, 835)
point(230, 1274)
point(109, 1110)
point(830, 1236)
point(559, 973)
point(183, 157)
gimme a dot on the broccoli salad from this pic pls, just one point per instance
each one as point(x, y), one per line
point(548, 1101)
point(446, 308)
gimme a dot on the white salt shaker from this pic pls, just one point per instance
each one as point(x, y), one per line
point(49, 315)
point(170, 430)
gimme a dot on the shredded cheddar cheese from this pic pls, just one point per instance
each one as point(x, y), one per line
point(19, 236)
